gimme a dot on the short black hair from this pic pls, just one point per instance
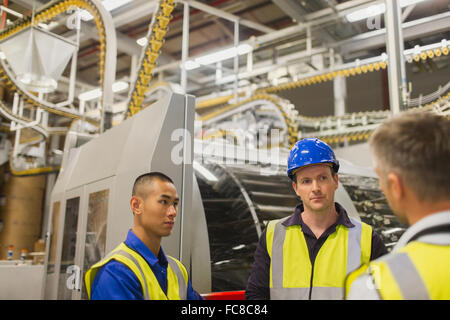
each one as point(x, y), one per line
point(147, 178)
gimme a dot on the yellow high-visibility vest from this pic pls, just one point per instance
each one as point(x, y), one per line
point(418, 270)
point(292, 275)
point(177, 278)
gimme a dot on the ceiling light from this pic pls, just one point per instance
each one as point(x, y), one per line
point(217, 56)
point(90, 95)
point(244, 48)
point(110, 5)
point(221, 55)
point(120, 86)
point(97, 93)
point(375, 10)
point(191, 64)
point(142, 41)
point(365, 13)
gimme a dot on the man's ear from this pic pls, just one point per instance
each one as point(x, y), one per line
point(336, 180)
point(395, 185)
point(294, 186)
point(136, 204)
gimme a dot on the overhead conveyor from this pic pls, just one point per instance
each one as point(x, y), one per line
point(25, 31)
point(107, 55)
point(268, 112)
point(352, 127)
point(107, 66)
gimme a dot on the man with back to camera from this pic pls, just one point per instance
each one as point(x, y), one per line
point(138, 268)
point(308, 254)
point(411, 156)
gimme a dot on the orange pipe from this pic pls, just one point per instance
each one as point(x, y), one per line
point(5, 4)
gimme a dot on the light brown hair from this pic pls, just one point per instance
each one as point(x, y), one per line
point(417, 148)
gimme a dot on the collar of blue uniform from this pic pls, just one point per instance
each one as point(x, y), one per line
point(136, 244)
point(296, 218)
point(428, 223)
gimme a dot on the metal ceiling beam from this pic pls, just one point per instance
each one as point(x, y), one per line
point(27, 4)
point(315, 19)
point(394, 48)
point(345, 7)
point(266, 66)
point(369, 40)
point(294, 10)
point(125, 44)
point(411, 30)
point(228, 16)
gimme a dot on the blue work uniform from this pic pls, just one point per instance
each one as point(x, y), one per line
point(115, 281)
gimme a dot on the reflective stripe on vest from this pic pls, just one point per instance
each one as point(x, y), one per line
point(291, 272)
point(418, 271)
point(181, 277)
point(408, 279)
point(176, 274)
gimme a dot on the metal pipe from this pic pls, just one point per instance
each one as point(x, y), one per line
point(339, 88)
point(133, 70)
point(395, 49)
point(47, 105)
point(17, 119)
point(185, 46)
point(14, 13)
point(73, 67)
point(236, 60)
point(3, 23)
point(308, 40)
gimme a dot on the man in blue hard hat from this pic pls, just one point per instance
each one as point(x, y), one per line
point(308, 254)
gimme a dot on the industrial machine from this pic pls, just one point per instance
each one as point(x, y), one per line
point(90, 214)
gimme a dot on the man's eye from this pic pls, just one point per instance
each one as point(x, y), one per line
point(306, 181)
point(164, 201)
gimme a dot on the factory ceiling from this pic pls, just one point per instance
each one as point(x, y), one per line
point(282, 32)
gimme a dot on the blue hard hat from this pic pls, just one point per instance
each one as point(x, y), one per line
point(310, 151)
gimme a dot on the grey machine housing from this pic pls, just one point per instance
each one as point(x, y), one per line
point(90, 213)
